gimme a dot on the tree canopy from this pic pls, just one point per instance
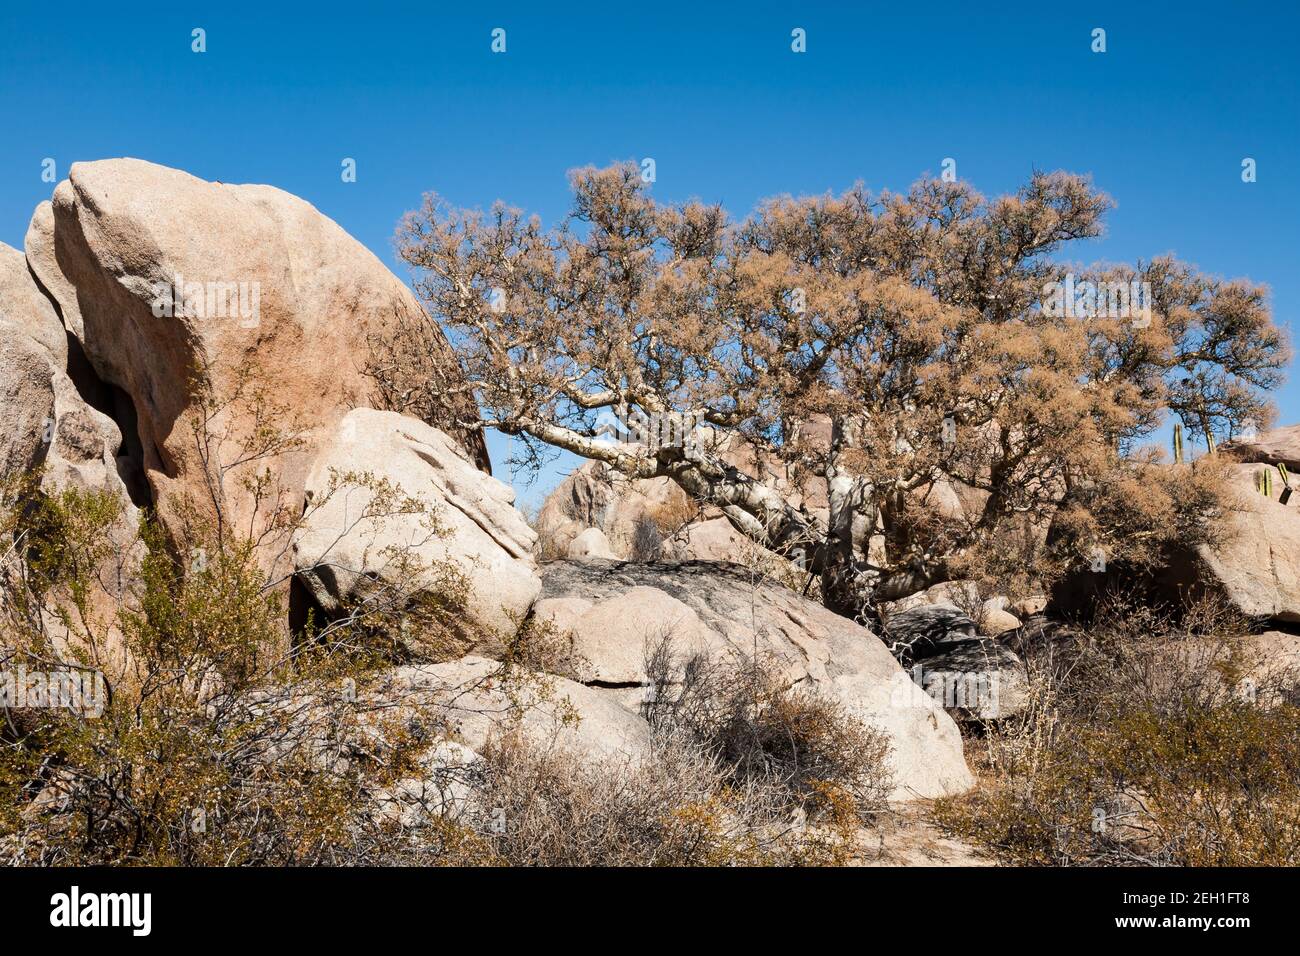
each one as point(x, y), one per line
point(920, 333)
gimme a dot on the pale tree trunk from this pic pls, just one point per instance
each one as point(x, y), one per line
point(756, 509)
point(848, 581)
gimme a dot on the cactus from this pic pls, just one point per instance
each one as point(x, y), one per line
point(1209, 443)
point(1264, 482)
point(1178, 444)
point(1286, 476)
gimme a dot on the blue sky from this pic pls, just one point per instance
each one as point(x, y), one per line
point(1161, 120)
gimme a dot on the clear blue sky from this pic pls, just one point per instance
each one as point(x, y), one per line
point(713, 93)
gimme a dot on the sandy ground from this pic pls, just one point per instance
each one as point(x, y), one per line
point(904, 837)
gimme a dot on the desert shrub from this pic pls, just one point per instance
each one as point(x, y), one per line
point(741, 770)
point(647, 540)
point(546, 806)
point(548, 547)
point(1142, 512)
point(540, 805)
point(675, 513)
point(217, 740)
point(537, 646)
point(218, 748)
point(1144, 743)
point(770, 733)
point(176, 766)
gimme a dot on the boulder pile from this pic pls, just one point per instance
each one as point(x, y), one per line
point(157, 328)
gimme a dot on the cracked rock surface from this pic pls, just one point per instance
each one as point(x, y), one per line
point(612, 609)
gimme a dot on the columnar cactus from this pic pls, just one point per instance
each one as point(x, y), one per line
point(1264, 482)
point(1178, 444)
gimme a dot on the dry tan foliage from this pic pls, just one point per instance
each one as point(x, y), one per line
point(1145, 742)
point(912, 322)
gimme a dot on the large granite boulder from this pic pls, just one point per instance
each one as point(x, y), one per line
point(160, 276)
point(615, 611)
point(476, 700)
point(1258, 567)
point(45, 422)
point(927, 629)
point(591, 545)
point(347, 544)
point(956, 660)
point(1278, 445)
point(52, 436)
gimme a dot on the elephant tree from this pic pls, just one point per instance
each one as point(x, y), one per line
point(926, 328)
